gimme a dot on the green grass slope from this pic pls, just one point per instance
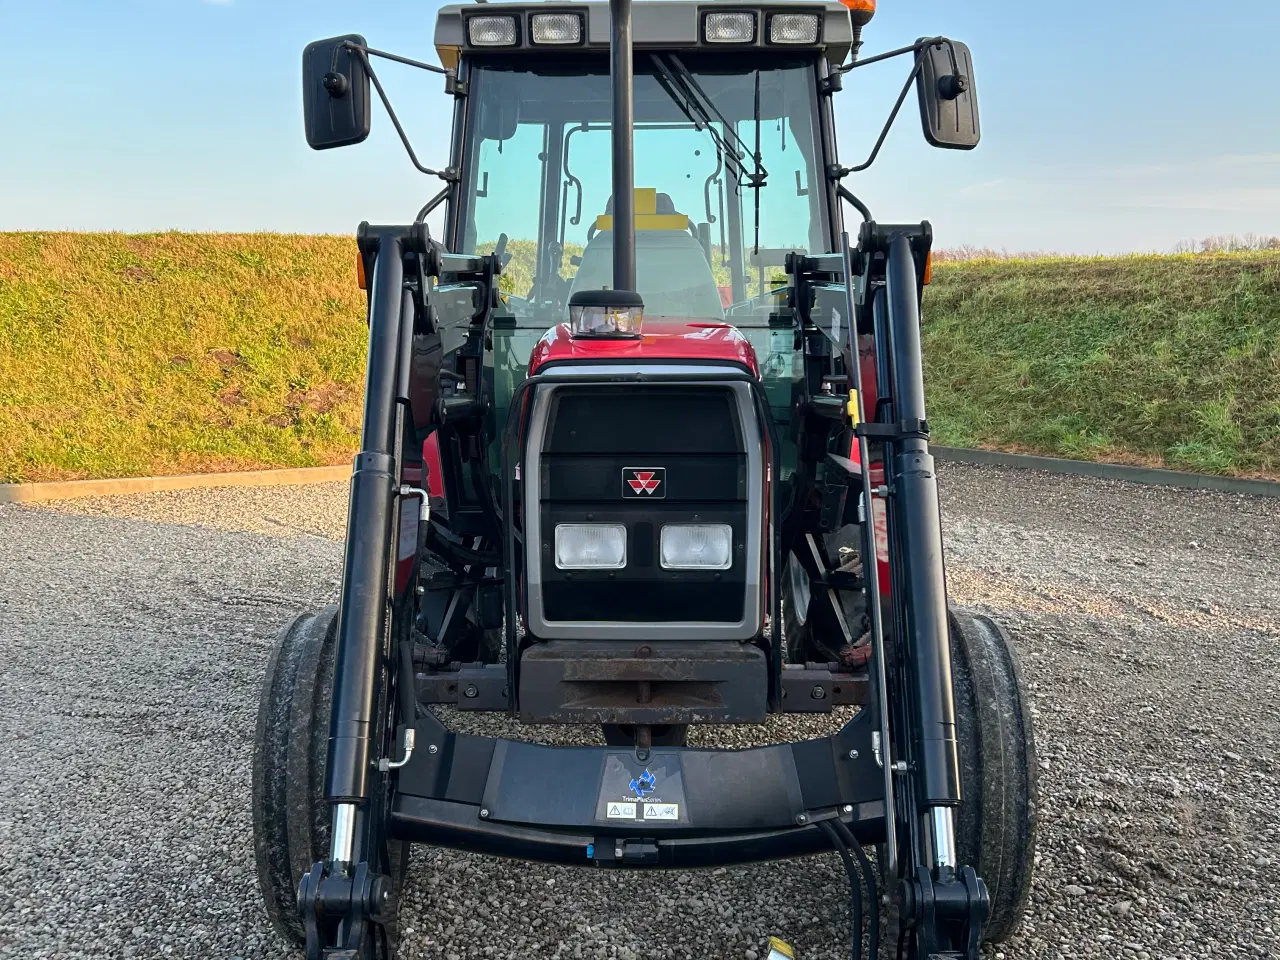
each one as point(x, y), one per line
point(172, 353)
point(129, 355)
point(1168, 360)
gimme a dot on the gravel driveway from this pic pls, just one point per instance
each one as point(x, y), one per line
point(133, 634)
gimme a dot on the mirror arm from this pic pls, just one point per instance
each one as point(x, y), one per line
point(834, 170)
point(433, 203)
point(398, 59)
point(847, 195)
point(914, 48)
point(448, 174)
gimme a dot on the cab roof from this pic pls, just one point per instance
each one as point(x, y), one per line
point(660, 24)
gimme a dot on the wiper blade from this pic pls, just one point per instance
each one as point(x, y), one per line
point(756, 179)
point(688, 104)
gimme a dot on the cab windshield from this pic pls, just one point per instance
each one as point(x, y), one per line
point(726, 174)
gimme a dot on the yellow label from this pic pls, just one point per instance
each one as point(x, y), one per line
point(646, 199)
point(649, 221)
point(779, 949)
point(853, 406)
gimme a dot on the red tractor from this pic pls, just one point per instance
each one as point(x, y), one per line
point(642, 458)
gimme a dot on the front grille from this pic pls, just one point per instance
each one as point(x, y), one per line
point(691, 438)
point(649, 419)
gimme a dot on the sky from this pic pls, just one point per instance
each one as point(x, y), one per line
point(1129, 125)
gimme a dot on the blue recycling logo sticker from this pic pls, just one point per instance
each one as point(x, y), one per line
point(644, 784)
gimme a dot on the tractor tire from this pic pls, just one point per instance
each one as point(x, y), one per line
point(803, 614)
point(478, 645)
point(797, 630)
point(996, 824)
point(291, 821)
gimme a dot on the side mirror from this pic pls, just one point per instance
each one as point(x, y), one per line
point(948, 96)
point(335, 93)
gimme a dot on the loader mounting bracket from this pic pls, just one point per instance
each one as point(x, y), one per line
point(330, 897)
point(957, 901)
point(903, 430)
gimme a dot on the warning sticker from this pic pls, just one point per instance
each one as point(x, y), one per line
point(650, 790)
point(662, 811)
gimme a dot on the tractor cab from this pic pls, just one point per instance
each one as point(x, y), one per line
point(645, 448)
point(729, 162)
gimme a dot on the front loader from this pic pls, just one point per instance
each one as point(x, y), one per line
point(645, 447)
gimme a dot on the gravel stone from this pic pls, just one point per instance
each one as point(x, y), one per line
point(134, 632)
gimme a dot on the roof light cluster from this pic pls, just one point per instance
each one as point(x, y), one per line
point(740, 26)
point(545, 29)
point(719, 27)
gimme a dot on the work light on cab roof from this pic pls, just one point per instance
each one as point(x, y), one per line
point(606, 314)
point(616, 468)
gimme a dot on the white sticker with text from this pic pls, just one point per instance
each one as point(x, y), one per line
point(662, 811)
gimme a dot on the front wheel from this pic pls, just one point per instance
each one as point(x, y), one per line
point(291, 821)
point(995, 824)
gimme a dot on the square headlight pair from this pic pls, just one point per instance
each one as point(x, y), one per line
point(545, 29)
point(682, 546)
point(739, 26)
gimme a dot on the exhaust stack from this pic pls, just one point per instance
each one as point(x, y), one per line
point(622, 76)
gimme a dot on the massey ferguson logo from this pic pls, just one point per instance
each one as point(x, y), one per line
point(644, 482)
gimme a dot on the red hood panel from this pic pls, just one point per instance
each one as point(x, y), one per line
point(665, 339)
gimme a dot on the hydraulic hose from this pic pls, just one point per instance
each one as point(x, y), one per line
point(405, 684)
point(855, 888)
point(456, 551)
point(873, 895)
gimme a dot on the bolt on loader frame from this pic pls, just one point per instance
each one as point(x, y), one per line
point(727, 513)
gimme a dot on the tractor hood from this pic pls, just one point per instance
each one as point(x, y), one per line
point(664, 340)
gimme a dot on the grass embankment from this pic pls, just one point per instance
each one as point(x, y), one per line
point(171, 353)
point(174, 353)
point(1162, 360)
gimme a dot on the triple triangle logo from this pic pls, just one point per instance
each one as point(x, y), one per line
point(641, 482)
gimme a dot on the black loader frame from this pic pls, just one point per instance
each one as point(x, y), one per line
point(472, 792)
point(892, 777)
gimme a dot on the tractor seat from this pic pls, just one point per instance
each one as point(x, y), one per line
point(663, 206)
point(648, 203)
point(672, 273)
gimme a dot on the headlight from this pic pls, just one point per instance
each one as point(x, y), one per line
point(697, 546)
point(492, 31)
point(591, 546)
point(734, 27)
point(560, 28)
point(793, 28)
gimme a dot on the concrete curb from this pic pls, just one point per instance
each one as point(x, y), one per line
point(1111, 471)
point(74, 489)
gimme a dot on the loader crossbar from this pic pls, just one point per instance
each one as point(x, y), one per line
point(602, 806)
